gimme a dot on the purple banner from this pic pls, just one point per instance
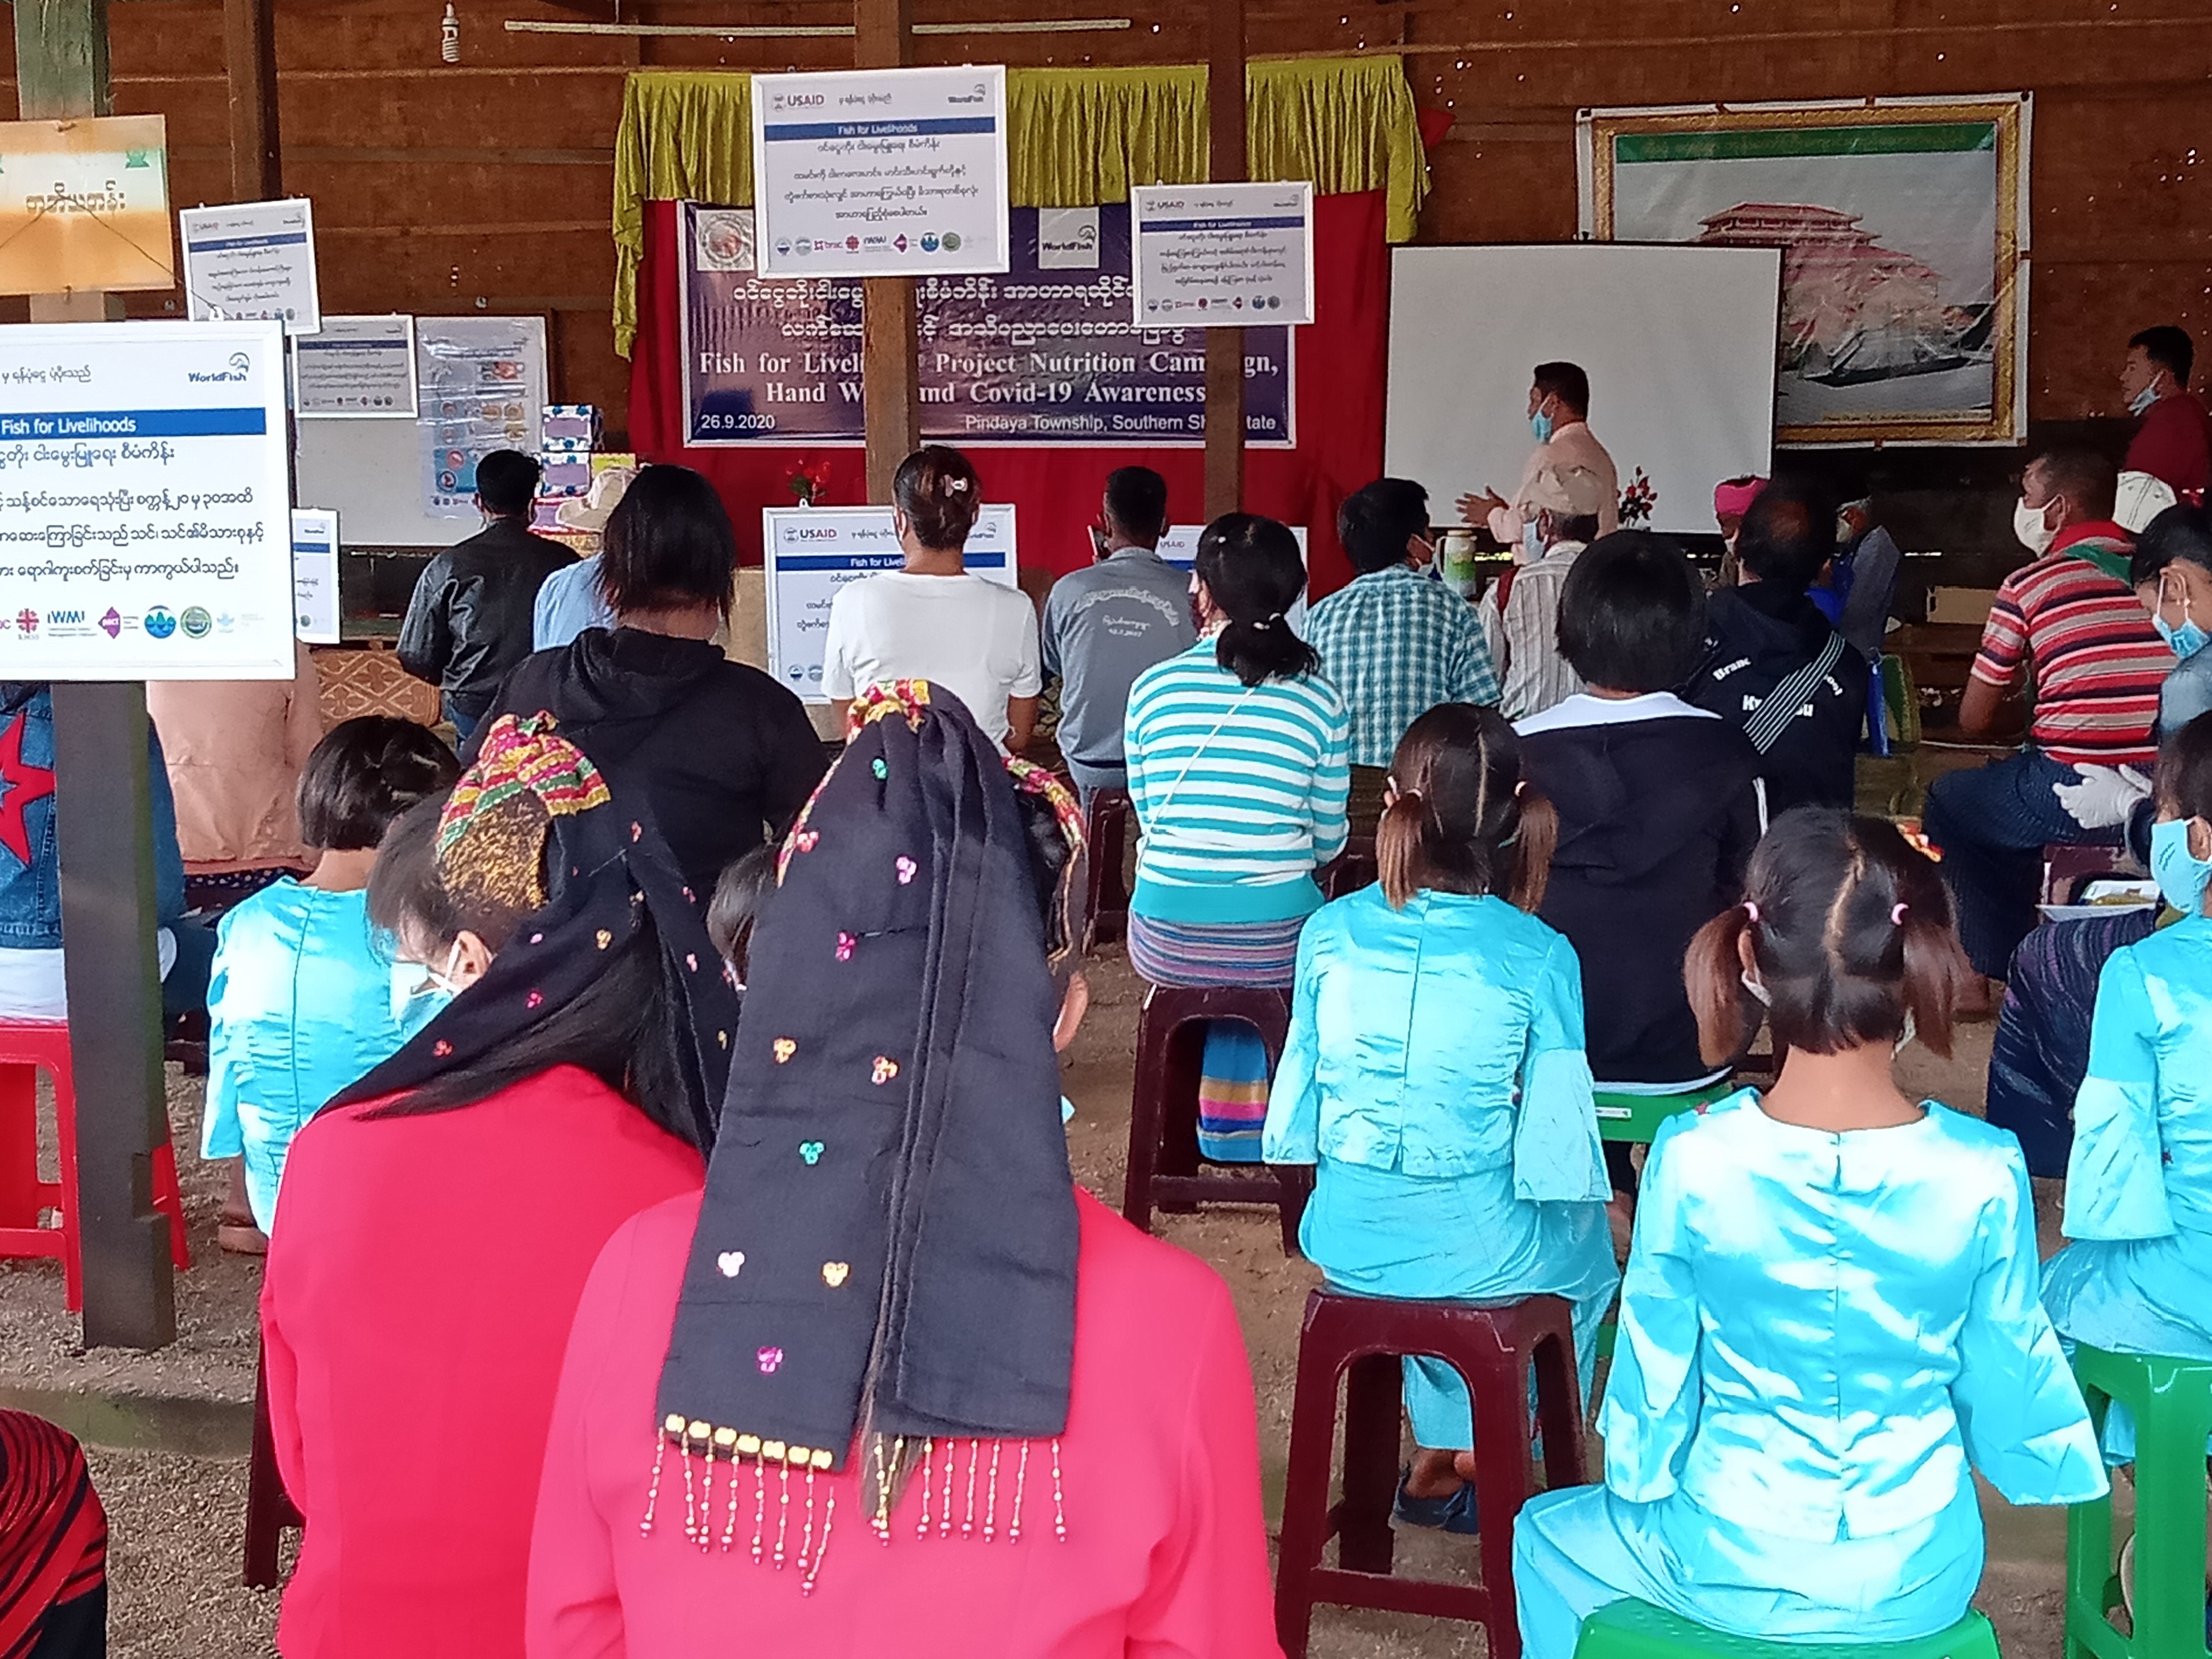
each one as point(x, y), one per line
point(1047, 353)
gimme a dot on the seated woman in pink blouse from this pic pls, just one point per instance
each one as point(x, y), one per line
point(893, 1386)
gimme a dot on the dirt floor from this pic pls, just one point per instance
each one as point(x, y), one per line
point(176, 1518)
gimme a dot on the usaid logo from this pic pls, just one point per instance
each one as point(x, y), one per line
point(824, 534)
point(800, 100)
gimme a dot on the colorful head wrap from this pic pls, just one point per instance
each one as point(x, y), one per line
point(532, 826)
point(1733, 499)
point(887, 1245)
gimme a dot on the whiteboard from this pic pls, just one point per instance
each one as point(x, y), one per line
point(1679, 343)
point(373, 474)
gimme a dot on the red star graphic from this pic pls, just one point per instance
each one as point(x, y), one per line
point(20, 783)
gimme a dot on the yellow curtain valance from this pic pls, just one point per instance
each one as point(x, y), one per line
point(1076, 137)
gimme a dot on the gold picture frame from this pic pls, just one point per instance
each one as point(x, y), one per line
point(1859, 319)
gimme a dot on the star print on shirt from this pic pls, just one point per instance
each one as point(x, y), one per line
point(20, 783)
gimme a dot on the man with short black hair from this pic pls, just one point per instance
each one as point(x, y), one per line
point(1107, 623)
point(2069, 622)
point(1558, 414)
point(469, 621)
point(2173, 443)
point(1774, 667)
point(1393, 642)
point(1658, 804)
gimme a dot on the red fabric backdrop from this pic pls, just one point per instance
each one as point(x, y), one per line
point(1340, 370)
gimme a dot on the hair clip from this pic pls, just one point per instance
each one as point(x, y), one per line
point(1897, 913)
point(1751, 909)
point(956, 486)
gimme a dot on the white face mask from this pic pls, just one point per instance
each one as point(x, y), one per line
point(420, 993)
point(1765, 999)
point(2028, 524)
point(2143, 400)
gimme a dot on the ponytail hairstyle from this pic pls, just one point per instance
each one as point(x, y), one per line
point(1251, 568)
point(1846, 928)
point(1462, 820)
point(938, 491)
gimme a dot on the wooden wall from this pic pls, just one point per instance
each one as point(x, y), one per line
point(485, 184)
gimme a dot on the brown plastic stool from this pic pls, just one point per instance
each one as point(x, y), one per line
point(269, 1507)
point(1106, 828)
point(1494, 1349)
point(1164, 1161)
point(1349, 871)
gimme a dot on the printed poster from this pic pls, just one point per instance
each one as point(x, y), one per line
point(881, 172)
point(1903, 224)
point(1047, 353)
point(481, 386)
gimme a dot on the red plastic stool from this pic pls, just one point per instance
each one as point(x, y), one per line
point(1494, 1349)
point(269, 1507)
point(1106, 828)
point(1163, 1160)
point(28, 1046)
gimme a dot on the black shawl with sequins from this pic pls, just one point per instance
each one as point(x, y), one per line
point(887, 1238)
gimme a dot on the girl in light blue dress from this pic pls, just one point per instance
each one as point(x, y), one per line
point(2138, 1277)
point(301, 1002)
point(1830, 1311)
point(1435, 1073)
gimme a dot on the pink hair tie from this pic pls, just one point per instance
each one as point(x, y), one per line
point(1897, 913)
point(1751, 909)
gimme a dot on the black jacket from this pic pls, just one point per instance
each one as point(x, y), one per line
point(1657, 818)
point(725, 756)
point(1757, 636)
point(469, 621)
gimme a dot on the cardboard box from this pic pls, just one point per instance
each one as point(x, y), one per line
point(1969, 606)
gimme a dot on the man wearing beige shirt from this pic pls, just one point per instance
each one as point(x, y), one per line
point(1558, 414)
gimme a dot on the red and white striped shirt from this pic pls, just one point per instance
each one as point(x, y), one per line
point(2097, 661)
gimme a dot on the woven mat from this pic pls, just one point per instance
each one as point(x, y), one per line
point(371, 682)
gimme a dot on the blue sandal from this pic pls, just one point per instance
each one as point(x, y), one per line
point(1455, 1513)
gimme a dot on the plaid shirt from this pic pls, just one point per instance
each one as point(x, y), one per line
point(1396, 644)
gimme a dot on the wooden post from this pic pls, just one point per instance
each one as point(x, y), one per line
point(1224, 347)
point(249, 51)
point(103, 799)
point(889, 376)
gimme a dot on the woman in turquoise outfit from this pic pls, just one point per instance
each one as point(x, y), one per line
point(1829, 1309)
point(1435, 1072)
point(2139, 1178)
point(302, 1002)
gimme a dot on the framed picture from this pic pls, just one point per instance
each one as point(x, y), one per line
point(1903, 228)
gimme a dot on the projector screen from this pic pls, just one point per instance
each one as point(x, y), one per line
point(1679, 343)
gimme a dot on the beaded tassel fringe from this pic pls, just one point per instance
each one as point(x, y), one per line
point(886, 1464)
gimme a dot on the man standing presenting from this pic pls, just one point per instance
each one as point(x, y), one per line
point(2072, 622)
point(469, 621)
point(2174, 442)
point(1105, 625)
point(1558, 414)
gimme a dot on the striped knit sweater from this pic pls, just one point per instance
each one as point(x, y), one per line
point(1239, 794)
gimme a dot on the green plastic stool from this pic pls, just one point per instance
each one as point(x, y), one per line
point(2171, 1400)
point(1636, 1119)
point(1637, 1630)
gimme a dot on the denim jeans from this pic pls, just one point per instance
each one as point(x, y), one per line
point(464, 725)
point(1992, 824)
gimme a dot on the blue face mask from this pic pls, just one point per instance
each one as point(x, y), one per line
point(2187, 640)
point(2181, 875)
point(1530, 541)
point(1541, 424)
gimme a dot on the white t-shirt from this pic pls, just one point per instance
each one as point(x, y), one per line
point(975, 637)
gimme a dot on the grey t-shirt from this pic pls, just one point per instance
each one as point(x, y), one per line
point(1103, 626)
